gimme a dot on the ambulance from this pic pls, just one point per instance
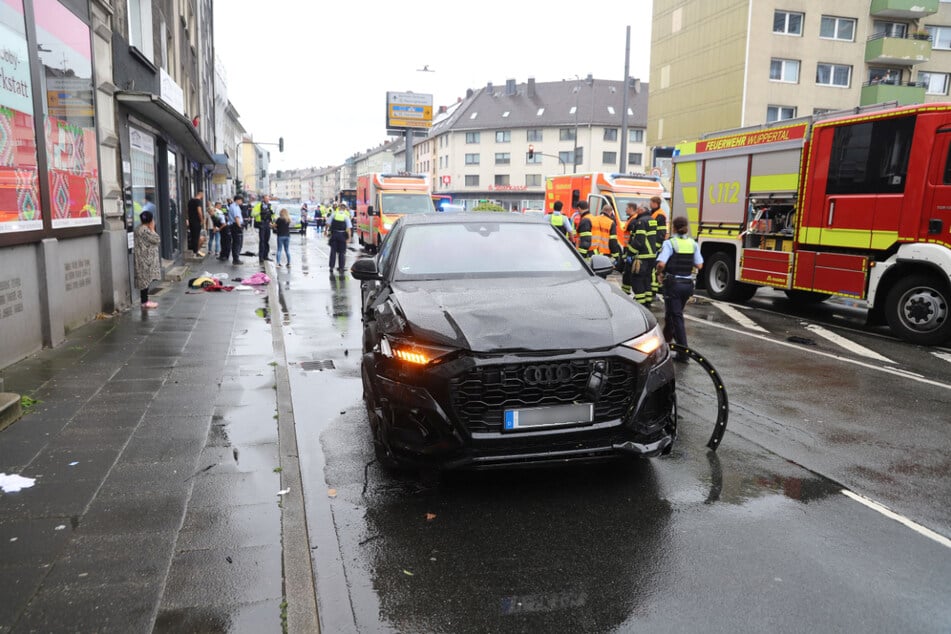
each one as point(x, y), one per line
point(383, 198)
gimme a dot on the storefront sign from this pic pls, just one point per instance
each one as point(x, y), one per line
point(508, 188)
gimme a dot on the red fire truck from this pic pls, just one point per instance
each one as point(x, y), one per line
point(856, 205)
point(382, 198)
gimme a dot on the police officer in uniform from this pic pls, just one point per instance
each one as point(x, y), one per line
point(559, 220)
point(678, 257)
point(339, 235)
point(264, 220)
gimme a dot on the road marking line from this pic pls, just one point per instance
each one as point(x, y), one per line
point(918, 528)
point(828, 355)
point(943, 356)
point(738, 317)
point(846, 343)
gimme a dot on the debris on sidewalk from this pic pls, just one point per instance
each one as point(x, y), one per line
point(13, 483)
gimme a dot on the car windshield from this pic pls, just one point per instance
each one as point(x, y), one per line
point(485, 249)
point(406, 204)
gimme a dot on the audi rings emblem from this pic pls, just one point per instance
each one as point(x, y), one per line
point(547, 374)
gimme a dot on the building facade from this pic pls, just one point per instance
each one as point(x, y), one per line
point(721, 64)
point(480, 150)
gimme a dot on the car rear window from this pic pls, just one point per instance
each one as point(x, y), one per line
point(484, 249)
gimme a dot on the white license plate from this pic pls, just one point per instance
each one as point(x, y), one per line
point(551, 416)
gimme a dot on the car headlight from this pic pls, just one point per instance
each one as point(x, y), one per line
point(648, 343)
point(412, 352)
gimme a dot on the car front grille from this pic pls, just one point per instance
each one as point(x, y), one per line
point(480, 396)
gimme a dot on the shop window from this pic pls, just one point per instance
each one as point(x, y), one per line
point(142, 153)
point(66, 54)
point(19, 173)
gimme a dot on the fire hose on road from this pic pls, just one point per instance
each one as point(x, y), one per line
point(723, 405)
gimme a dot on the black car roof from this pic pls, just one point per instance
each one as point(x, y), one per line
point(473, 216)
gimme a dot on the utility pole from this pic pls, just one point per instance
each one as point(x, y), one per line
point(627, 69)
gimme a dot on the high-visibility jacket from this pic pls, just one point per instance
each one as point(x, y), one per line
point(339, 222)
point(642, 238)
point(256, 212)
point(680, 264)
point(660, 219)
point(558, 221)
point(602, 231)
point(584, 234)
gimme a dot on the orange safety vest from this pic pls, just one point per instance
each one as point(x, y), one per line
point(600, 235)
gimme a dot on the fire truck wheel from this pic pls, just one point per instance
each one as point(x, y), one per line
point(720, 279)
point(918, 309)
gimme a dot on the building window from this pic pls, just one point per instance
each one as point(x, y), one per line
point(566, 157)
point(502, 179)
point(533, 180)
point(610, 134)
point(935, 83)
point(780, 113)
point(503, 136)
point(472, 180)
point(881, 28)
point(535, 160)
point(472, 159)
point(20, 203)
point(566, 134)
point(940, 37)
point(140, 27)
point(635, 136)
point(71, 146)
point(609, 157)
point(833, 75)
point(472, 137)
point(821, 111)
point(533, 134)
point(833, 28)
point(503, 158)
point(870, 157)
point(786, 70)
point(884, 76)
point(787, 22)
point(635, 158)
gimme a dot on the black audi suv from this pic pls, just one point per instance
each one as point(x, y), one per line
point(489, 341)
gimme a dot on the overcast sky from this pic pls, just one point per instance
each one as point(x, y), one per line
point(317, 72)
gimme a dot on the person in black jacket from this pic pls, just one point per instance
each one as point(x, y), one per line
point(264, 229)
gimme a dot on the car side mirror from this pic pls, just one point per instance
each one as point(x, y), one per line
point(370, 210)
point(602, 265)
point(365, 269)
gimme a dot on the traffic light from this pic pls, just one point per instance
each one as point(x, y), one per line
point(280, 144)
point(531, 151)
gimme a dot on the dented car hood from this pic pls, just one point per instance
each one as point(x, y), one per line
point(496, 315)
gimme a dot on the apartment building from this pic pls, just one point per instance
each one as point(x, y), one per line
point(720, 64)
point(480, 151)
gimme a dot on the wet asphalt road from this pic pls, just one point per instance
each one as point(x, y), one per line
point(742, 540)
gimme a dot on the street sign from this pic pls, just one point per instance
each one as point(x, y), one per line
point(406, 110)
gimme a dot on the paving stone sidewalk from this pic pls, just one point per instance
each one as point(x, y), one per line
point(154, 448)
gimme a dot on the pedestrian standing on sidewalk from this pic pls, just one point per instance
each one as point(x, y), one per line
point(216, 220)
point(265, 218)
point(195, 220)
point(678, 257)
point(282, 227)
point(236, 225)
point(303, 220)
point(146, 257)
point(338, 236)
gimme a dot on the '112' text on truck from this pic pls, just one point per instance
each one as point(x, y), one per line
point(857, 206)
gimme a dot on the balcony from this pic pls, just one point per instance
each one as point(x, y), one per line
point(905, 94)
point(897, 51)
point(903, 9)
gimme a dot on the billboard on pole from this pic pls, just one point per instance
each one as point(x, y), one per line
point(408, 110)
